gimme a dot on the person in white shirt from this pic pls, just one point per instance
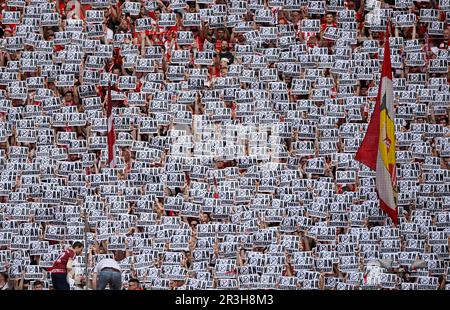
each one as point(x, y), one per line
point(108, 272)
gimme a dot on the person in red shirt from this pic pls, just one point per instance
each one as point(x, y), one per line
point(329, 22)
point(63, 265)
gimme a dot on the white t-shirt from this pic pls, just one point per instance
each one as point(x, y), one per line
point(109, 34)
point(106, 263)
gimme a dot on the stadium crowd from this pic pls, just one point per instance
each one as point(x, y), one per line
point(236, 126)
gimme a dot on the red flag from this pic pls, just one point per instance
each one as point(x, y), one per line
point(377, 151)
point(111, 133)
point(216, 193)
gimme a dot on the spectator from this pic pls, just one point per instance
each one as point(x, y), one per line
point(4, 284)
point(62, 266)
point(134, 285)
point(225, 53)
point(38, 285)
point(109, 272)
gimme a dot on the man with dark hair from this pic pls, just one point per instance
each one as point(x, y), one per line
point(225, 52)
point(134, 285)
point(63, 265)
point(38, 285)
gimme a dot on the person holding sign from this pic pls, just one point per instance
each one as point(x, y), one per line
point(63, 265)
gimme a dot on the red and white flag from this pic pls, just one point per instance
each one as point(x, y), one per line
point(377, 150)
point(111, 133)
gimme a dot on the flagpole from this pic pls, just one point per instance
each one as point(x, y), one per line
point(86, 247)
point(111, 133)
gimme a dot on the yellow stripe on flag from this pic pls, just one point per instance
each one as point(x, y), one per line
point(387, 140)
